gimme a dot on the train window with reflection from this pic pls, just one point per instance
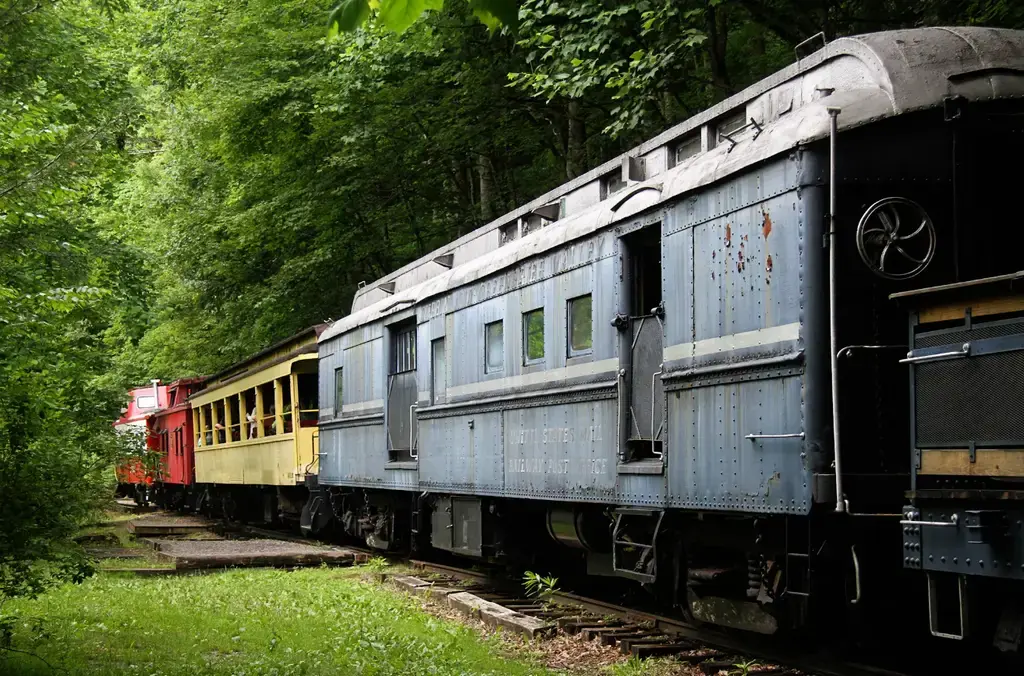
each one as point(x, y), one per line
point(581, 326)
point(494, 347)
point(404, 348)
point(339, 388)
point(533, 336)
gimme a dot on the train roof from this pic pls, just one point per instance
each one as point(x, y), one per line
point(869, 77)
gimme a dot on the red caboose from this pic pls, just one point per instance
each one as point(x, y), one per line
point(170, 436)
point(136, 471)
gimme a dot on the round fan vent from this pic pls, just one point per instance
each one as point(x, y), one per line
point(896, 238)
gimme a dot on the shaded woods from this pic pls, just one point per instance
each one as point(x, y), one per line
point(182, 183)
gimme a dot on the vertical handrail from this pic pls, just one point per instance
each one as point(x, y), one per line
point(654, 381)
point(833, 351)
point(412, 445)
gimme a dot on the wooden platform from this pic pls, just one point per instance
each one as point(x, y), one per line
point(204, 554)
point(168, 525)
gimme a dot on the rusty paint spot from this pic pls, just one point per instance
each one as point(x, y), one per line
point(768, 263)
point(713, 255)
point(766, 227)
point(739, 253)
point(712, 274)
point(728, 234)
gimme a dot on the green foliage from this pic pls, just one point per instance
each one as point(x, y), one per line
point(65, 115)
point(256, 621)
point(743, 668)
point(539, 585)
point(398, 15)
point(377, 564)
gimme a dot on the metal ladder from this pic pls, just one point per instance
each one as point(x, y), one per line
point(647, 551)
point(798, 558)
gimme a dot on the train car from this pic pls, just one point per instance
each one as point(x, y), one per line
point(686, 368)
point(962, 524)
point(137, 470)
point(255, 433)
point(171, 436)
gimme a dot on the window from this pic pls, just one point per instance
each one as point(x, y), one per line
point(403, 349)
point(533, 336)
point(339, 388)
point(146, 401)
point(438, 371)
point(581, 329)
point(509, 232)
point(685, 149)
point(494, 347)
point(612, 183)
point(729, 125)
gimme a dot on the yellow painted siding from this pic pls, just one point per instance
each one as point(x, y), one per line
point(270, 461)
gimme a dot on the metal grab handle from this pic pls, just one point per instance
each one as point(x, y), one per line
point(856, 573)
point(954, 521)
point(795, 435)
point(412, 447)
point(964, 351)
point(654, 382)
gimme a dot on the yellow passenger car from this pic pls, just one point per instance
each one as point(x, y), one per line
point(256, 421)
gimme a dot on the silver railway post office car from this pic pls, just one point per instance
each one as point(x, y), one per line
point(673, 370)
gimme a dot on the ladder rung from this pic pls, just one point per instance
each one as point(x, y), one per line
point(633, 544)
point(798, 555)
point(796, 593)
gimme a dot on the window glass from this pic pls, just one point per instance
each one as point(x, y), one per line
point(687, 148)
point(581, 338)
point(533, 335)
point(404, 357)
point(494, 346)
point(146, 401)
point(338, 390)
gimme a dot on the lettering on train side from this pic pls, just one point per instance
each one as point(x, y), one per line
point(553, 435)
point(574, 466)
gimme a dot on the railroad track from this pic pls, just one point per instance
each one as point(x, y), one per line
point(634, 631)
point(646, 634)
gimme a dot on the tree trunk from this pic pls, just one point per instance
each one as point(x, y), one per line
point(576, 150)
point(718, 33)
point(486, 172)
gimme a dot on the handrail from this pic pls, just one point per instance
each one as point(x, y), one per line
point(412, 446)
point(654, 381)
point(964, 351)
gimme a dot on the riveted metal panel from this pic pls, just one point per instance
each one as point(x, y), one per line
point(461, 453)
point(746, 267)
point(714, 466)
point(565, 451)
point(677, 271)
point(356, 455)
point(648, 490)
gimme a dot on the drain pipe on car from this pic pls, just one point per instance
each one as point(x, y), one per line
point(833, 113)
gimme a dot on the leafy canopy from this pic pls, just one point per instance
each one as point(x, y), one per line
point(399, 15)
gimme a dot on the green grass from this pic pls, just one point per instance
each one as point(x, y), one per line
point(312, 621)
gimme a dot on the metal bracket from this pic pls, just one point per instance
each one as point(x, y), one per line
point(953, 108)
point(727, 137)
point(659, 310)
point(973, 452)
point(757, 128)
point(620, 321)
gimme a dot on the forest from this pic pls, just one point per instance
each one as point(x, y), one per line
point(183, 182)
